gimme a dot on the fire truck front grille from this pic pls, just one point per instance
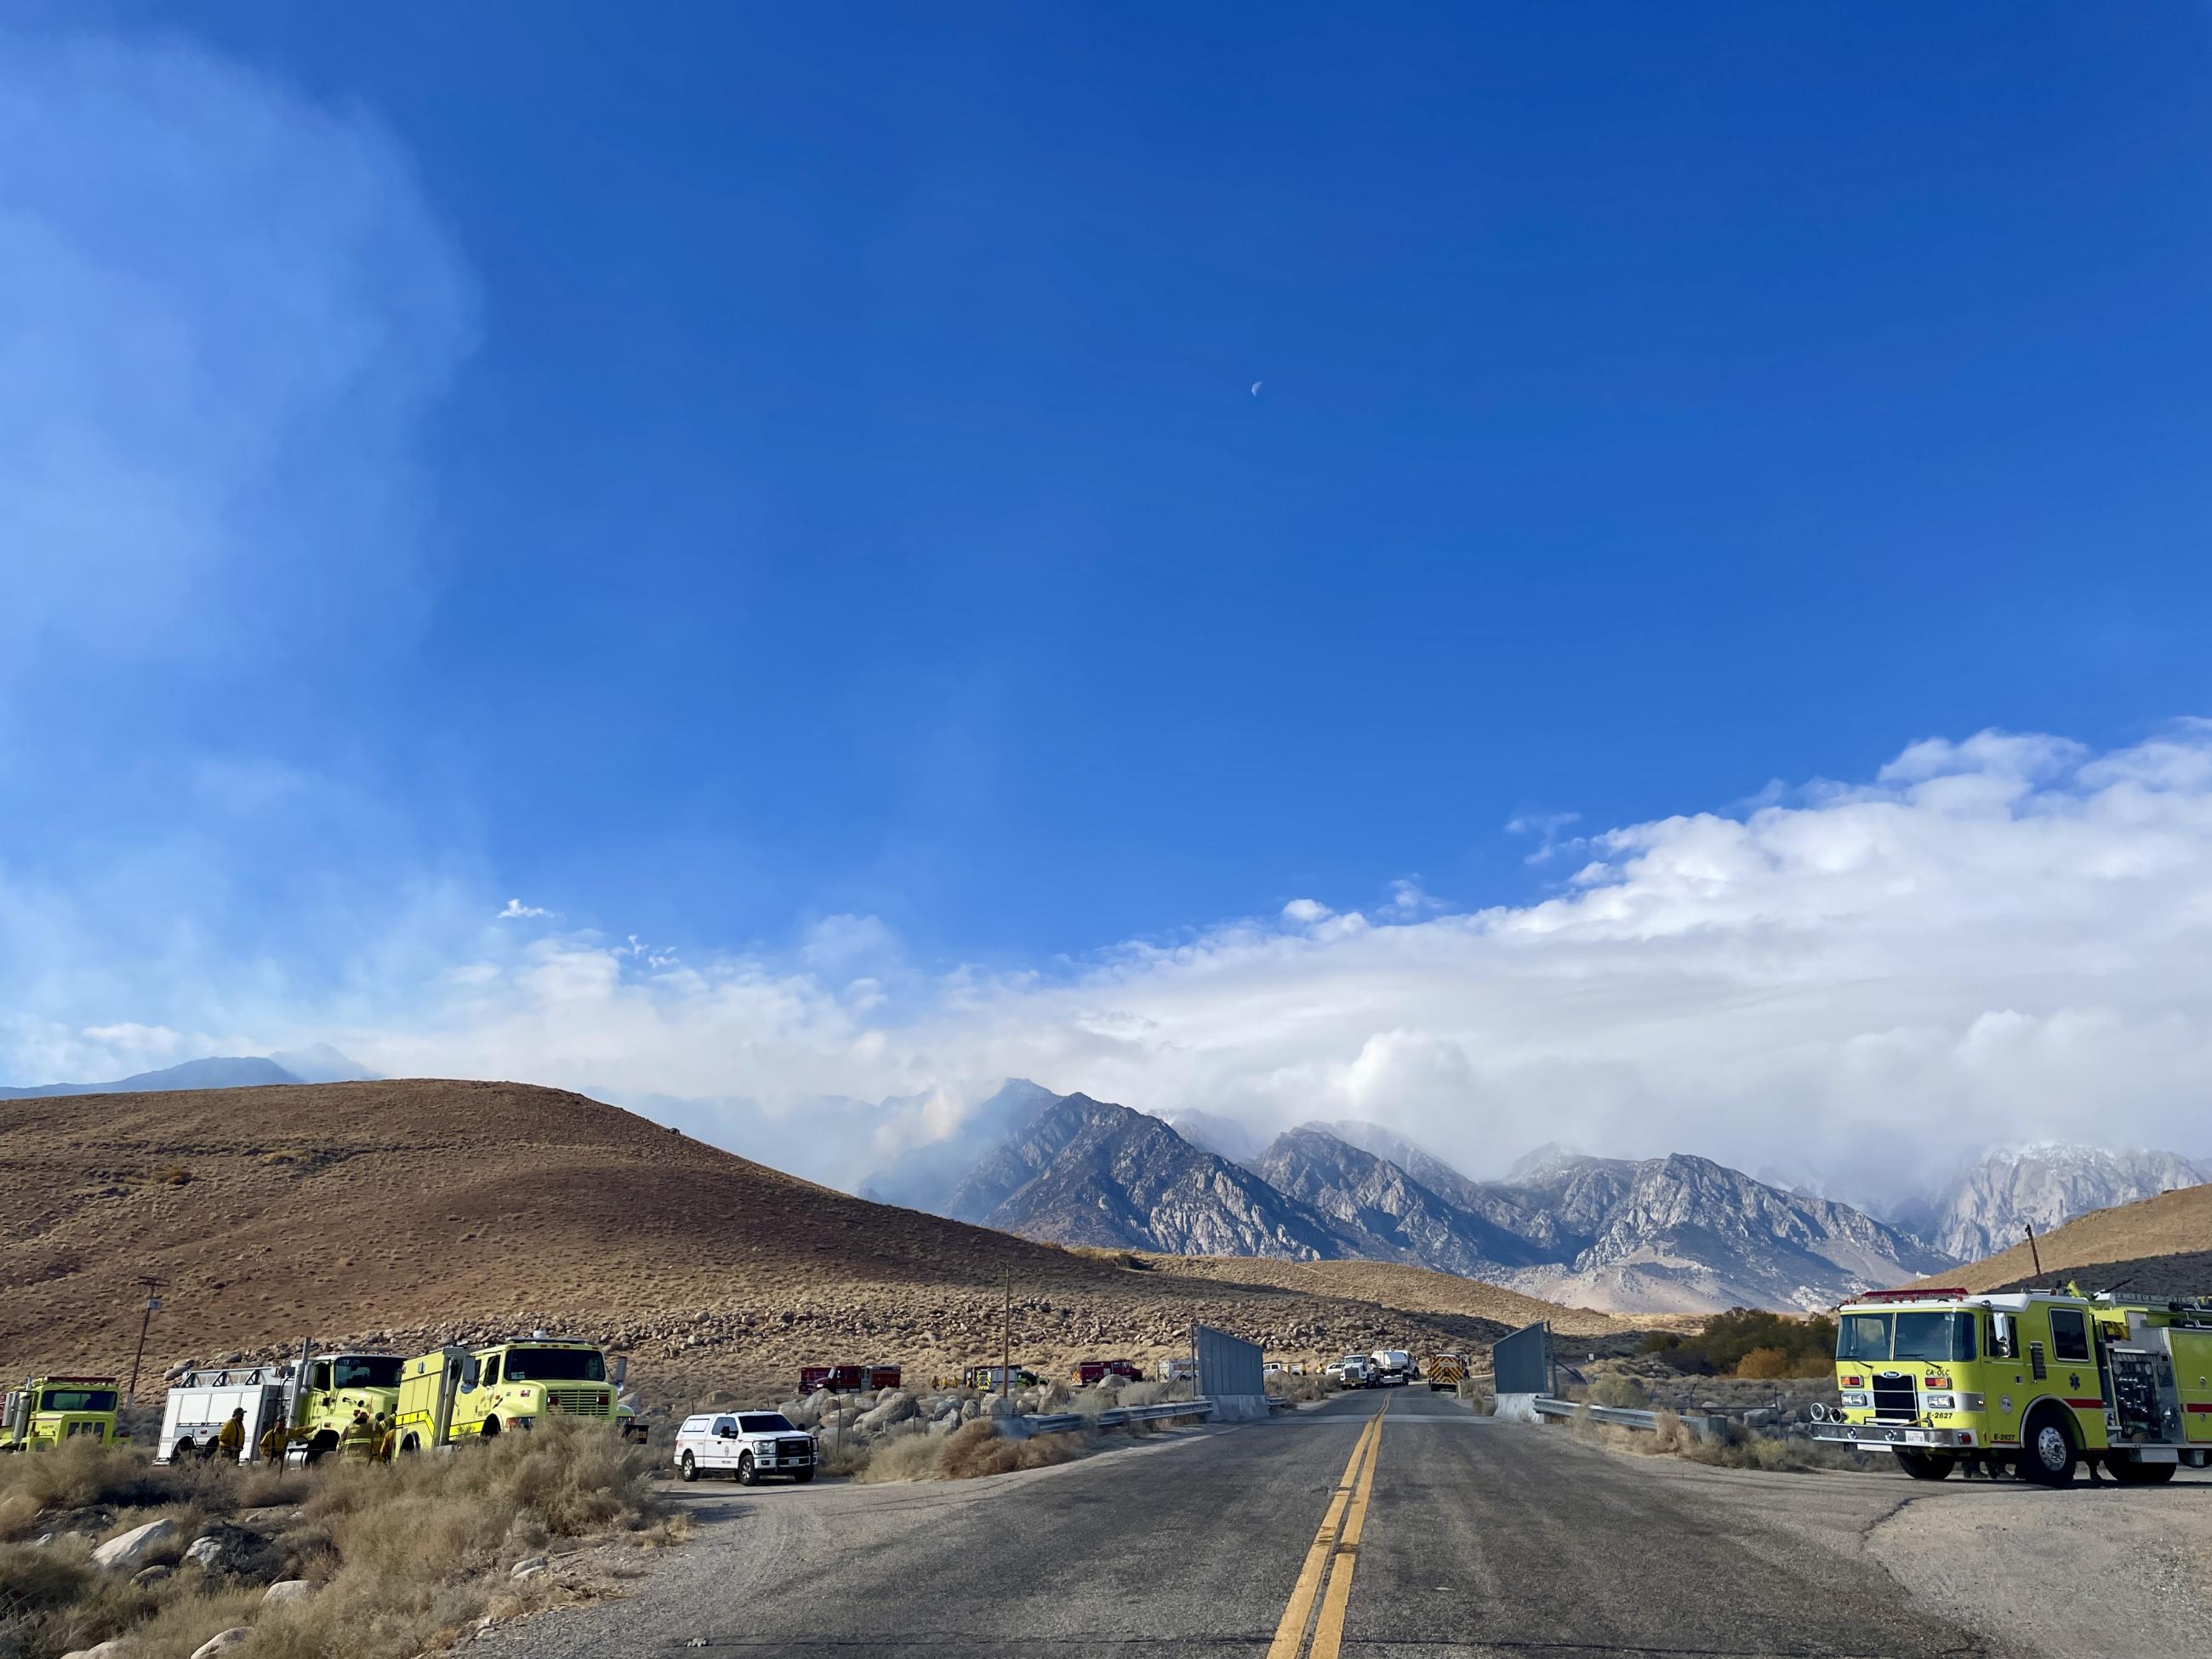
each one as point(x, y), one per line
point(1894, 1399)
point(577, 1402)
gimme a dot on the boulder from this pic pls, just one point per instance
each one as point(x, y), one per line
point(895, 1408)
point(234, 1551)
point(288, 1590)
point(146, 1576)
point(998, 1406)
point(127, 1553)
point(221, 1641)
point(529, 1567)
point(115, 1648)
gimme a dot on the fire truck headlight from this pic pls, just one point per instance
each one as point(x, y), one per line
point(1939, 1402)
point(1856, 1399)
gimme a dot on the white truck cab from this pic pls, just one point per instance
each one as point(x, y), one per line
point(743, 1445)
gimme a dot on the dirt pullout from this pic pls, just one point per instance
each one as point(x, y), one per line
point(409, 1212)
point(2118, 1572)
point(2162, 1246)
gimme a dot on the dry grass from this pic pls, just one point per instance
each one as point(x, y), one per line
point(403, 1555)
point(1740, 1449)
point(970, 1452)
point(82, 1474)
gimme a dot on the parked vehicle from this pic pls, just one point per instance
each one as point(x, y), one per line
point(1180, 1369)
point(848, 1379)
point(314, 1398)
point(2039, 1380)
point(456, 1394)
point(987, 1377)
point(48, 1410)
point(1393, 1368)
point(1443, 1370)
point(1354, 1371)
point(743, 1445)
point(1088, 1373)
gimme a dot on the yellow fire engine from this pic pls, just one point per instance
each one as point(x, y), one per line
point(460, 1393)
point(2034, 1380)
point(48, 1410)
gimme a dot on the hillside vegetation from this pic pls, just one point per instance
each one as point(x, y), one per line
point(408, 1212)
point(1418, 1289)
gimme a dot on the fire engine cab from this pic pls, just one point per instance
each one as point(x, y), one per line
point(2034, 1380)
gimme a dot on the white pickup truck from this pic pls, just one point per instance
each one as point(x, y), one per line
point(743, 1445)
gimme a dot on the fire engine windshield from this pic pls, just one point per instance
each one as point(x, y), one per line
point(366, 1371)
point(1935, 1336)
point(556, 1365)
point(1862, 1336)
point(1870, 1336)
point(79, 1400)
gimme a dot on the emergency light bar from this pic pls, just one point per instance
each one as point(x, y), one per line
point(1933, 1293)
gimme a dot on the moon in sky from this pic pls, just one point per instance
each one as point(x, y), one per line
point(1256, 385)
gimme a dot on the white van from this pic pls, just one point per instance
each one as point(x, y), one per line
point(744, 1445)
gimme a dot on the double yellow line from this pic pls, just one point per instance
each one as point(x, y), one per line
point(1336, 1552)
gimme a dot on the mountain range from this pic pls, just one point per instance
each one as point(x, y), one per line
point(1679, 1233)
point(1990, 1203)
point(1676, 1233)
point(318, 1063)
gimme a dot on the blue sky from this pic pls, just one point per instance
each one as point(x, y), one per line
point(786, 489)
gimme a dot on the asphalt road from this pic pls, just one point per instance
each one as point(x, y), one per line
point(1437, 1533)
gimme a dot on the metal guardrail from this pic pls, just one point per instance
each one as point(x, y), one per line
point(1065, 1422)
point(1700, 1427)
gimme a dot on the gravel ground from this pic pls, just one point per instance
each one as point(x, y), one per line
point(2111, 1571)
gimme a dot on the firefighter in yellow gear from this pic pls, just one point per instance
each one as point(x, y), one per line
point(387, 1436)
point(358, 1440)
point(230, 1438)
point(270, 1447)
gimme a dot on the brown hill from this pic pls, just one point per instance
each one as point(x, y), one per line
point(2161, 1246)
point(412, 1212)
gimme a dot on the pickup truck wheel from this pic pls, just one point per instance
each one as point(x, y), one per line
point(1925, 1466)
point(802, 1476)
point(690, 1469)
point(745, 1475)
point(2047, 1452)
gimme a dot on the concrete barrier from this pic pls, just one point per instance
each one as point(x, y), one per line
point(1240, 1407)
point(1518, 1408)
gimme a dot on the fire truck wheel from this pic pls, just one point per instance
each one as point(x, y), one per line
point(2129, 1473)
point(490, 1430)
point(2047, 1452)
point(745, 1475)
point(690, 1469)
point(1925, 1466)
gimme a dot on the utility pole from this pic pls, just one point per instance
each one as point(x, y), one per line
point(2033, 1255)
point(153, 1303)
point(1006, 1345)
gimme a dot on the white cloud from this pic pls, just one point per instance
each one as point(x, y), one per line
point(517, 911)
point(1998, 939)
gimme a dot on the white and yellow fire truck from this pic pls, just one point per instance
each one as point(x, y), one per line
point(2038, 1381)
